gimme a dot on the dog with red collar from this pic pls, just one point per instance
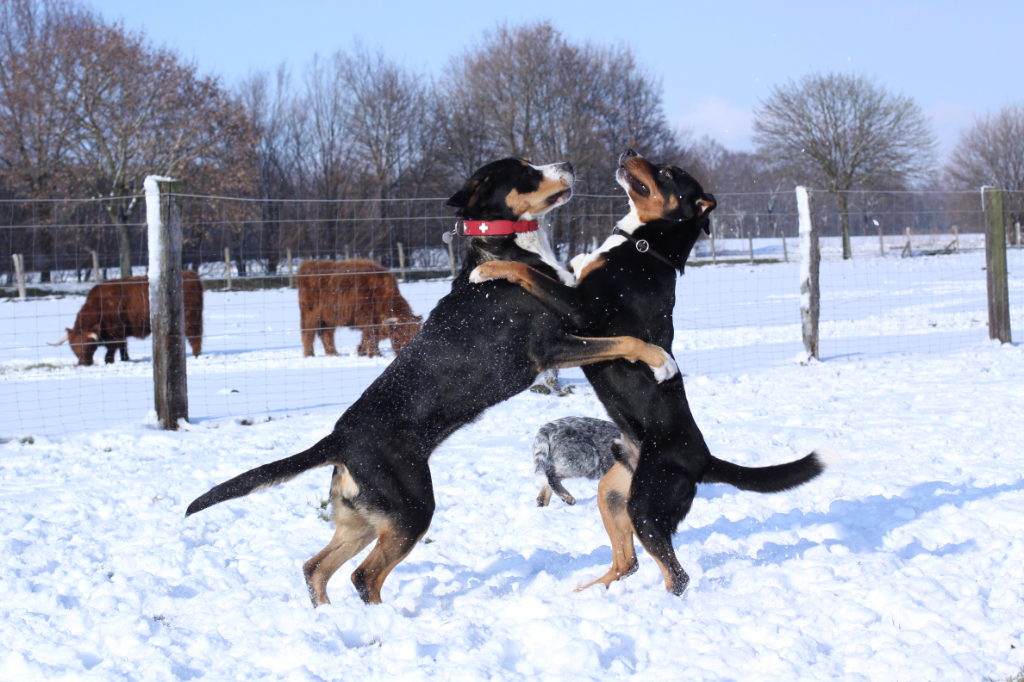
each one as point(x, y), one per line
point(480, 346)
point(627, 286)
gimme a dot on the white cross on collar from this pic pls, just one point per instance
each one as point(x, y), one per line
point(484, 227)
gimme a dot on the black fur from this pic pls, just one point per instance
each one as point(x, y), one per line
point(480, 346)
point(633, 293)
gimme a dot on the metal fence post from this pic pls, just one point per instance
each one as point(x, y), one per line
point(810, 257)
point(995, 262)
point(166, 300)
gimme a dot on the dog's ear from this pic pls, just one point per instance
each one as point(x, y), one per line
point(470, 193)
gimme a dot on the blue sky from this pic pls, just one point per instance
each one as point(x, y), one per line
point(717, 59)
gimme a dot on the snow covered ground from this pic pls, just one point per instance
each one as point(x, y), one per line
point(904, 563)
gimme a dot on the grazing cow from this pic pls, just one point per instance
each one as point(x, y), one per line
point(119, 308)
point(355, 293)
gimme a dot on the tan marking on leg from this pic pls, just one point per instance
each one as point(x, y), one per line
point(515, 272)
point(545, 496)
point(612, 496)
point(391, 548)
point(628, 348)
point(353, 533)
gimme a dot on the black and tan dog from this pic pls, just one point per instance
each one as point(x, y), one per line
point(628, 286)
point(477, 348)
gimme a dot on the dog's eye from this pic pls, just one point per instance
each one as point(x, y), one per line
point(666, 172)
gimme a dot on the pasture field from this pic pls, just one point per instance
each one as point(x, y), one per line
point(904, 563)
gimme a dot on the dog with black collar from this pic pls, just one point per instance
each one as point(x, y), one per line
point(627, 286)
point(480, 346)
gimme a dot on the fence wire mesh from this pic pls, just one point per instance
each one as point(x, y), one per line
point(737, 304)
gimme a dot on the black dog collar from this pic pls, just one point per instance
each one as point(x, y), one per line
point(644, 247)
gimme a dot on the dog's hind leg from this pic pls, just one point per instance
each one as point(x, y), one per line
point(612, 497)
point(660, 497)
point(353, 533)
point(398, 531)
point(556, 485)
point(544, 497)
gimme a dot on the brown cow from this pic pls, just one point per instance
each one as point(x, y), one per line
point(119, 308)
point(355, 293)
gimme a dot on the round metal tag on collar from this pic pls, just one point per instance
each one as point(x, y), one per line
point(642, 246)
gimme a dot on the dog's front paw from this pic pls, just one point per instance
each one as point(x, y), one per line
point(479, 275)
point(668, 369)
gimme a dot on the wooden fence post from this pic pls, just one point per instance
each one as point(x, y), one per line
point(956, 238)
point(881, 242)
point(166, 301)
point(451, 258)
point(810, 258)
point(785, 254)
point(995, 262)
point(291, 276)
point(19, 273)
point(907, 251)
point(750, 240)
point(227, 265)
point(401, 261)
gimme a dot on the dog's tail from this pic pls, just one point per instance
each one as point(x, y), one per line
point(771, 479)
point(262, 477)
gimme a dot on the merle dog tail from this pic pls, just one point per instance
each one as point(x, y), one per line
point(262, 477)
point(771, 479)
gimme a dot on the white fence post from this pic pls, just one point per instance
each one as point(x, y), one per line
point(19, 273)
point(810, 257)
point(166, 301)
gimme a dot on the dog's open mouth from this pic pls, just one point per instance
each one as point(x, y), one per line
point(560, 197)
point(626, 178)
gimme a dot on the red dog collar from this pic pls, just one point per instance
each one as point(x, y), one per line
point(489, 228)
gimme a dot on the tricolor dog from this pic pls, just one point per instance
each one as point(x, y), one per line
point(480, 346)
point(628, 287)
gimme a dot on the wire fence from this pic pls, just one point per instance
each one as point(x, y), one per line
point(737, 305)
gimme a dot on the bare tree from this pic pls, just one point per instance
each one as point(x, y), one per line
point(846, 131)
point(991, 152)
point(138, 110)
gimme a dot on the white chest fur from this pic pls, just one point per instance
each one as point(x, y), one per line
point(537, 242)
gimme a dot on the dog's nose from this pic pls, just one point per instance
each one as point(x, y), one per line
point(567, 166)
point(630, 152)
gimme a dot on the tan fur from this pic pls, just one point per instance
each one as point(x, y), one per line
point(353, 532)
point(654, 206)
point(359, 293)
point(591, 266)
point(119, 308)
point(391, 548)
point(347, 486)
point(612, 496)
point(537, 201)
